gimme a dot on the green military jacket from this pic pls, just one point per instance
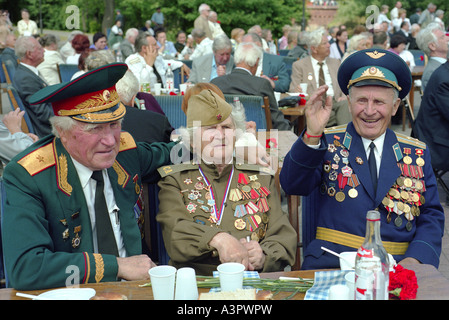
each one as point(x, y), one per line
point(47, 234)
point(252, 208)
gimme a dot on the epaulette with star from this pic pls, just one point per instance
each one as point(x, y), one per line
point(171, 169)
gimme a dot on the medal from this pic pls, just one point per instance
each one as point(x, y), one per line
point(76, 241)
point(239, 224)
point(188, 181)
point(353, 193)
point(407, 159)
point(342, 180)
point(419, 161)
point(340, 196)
point(235, 195)
point(191, 207)
point(359, 160)
point(398, 221)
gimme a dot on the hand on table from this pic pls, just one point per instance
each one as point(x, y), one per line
point(230, 249)
point(134, 267)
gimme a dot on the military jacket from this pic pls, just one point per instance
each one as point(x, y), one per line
point(251, 208)
point(47, 234)
point(336, 180)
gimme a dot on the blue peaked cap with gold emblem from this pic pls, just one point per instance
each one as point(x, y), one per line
point(375, 67)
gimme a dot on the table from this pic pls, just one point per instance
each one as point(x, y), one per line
point(432, 285)
point(295, 113)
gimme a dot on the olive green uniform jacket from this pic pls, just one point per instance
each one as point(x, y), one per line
point(47, 235)
point(185, 219)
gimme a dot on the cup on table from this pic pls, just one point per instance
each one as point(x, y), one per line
point(186, 288)
point(182, 88)
point(157, 89)
point(303, 87)
point(350, 281)
point(277, 96)
point(338, 292)
point(347, 260)
point(231, 276)
point(163, 282)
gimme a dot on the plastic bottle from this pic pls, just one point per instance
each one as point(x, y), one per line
point(169, 79)
point(372, 263)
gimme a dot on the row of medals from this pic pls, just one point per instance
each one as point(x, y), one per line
point(404, 197)
point(249, 202)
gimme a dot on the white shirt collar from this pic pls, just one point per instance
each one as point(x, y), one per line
point(34, 69)
point(379, 142)
point(439, 59)
point(84, 173)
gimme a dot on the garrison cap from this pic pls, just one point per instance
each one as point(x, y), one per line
point(91, 97)
point(207, 107)
point(375, 67)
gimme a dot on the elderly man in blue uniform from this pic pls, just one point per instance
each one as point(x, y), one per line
point(74, 199)
point(347, 170)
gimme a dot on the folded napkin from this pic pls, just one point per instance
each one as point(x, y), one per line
point(246, 274)
point(323, 281)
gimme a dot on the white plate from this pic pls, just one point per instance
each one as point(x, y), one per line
point(69, 294)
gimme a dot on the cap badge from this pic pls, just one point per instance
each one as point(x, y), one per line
point(375, 54)
point(219, 116)
point(373, 72)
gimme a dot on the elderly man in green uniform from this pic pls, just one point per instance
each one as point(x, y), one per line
point(218, 210)
point(74, 202)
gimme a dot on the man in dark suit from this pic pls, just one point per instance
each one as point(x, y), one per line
point(271, 67)
point(431, 122)
point(143, 125)
point(242, 80)
point(27, 82)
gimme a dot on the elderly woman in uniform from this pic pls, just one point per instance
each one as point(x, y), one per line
point(217, 210)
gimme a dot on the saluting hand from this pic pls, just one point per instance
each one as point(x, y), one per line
point(317, 115)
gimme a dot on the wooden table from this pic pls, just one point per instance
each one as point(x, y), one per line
point(432, 286)
point(295, 113)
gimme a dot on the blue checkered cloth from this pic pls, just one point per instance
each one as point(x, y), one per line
point(323, 281)
point(246, 274)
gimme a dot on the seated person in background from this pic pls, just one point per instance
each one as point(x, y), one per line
point(48, 68)
point(215, 64)
point(270, 67)
point(12, 139)
point(147, 65)
point(127, 45)
point(166, 48)
point(307, 70)
point(143, 125)
point(80, 43)
point(8, 54)
point(204, 217)
point(242, 80)
point(373, 172)
point(99, 42)
point(300, 51)
point(203, 43)
point(27, 82)
point(181, 38)
point(434, 42)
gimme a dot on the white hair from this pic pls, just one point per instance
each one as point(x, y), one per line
point(315, 37)
point(247, 52)
point(427, 36)
point(127, 87)
point(202, 7)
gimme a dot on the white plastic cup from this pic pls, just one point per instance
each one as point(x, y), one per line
point(347, 260)
point(350, 280)
point(157, 89)
point(183, 88)
point(163, 282)
point(231, 276)
point(277, 96)
point(186, 288)
point(338, 292)
point(303, 87)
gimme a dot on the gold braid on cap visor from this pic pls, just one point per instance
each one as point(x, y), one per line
point(99, 102)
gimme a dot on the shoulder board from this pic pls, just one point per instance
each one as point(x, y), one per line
point(38, 160)
point(409, 140)
point(336, 129)
point(170, 169)
point(253, 167)
point(126, 141)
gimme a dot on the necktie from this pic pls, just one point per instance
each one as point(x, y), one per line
point(321, 80)
point(105, 235)
point(372, 165)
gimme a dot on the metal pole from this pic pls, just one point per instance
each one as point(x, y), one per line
point(303, 23)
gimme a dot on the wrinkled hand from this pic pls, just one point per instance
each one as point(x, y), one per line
point(150, 55)
point(317, 114)
point(255, 254)
point(271, 81)
point(134, 267)
point(230, 249)
point(13, 120)
point(221, 70)
point(186, 70)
